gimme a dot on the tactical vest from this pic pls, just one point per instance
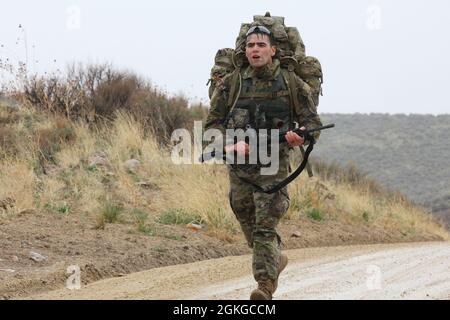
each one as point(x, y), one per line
point(263, 104)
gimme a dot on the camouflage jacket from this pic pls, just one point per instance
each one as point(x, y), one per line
point(305, 113)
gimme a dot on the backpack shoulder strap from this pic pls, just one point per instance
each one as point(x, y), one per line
point(289, 78)
point(234, 83)
point(298, 86)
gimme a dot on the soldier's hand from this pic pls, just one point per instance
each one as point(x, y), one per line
point(294, 139)
point(241, 147)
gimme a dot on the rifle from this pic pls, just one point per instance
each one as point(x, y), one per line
point(303, 133)
point(269, 190)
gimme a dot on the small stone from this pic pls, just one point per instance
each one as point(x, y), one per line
point(132, 164)
point(37, 256)
point(97, 160)
point(194, 226)
point(296, 234)
point(15, 258)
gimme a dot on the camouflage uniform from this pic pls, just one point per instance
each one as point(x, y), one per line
point(259, 213)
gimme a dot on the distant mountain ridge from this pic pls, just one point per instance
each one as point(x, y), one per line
point(409, 153)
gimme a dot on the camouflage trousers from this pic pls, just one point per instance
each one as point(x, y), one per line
point(258, 214)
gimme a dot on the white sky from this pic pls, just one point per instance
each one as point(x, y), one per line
point(389, 56)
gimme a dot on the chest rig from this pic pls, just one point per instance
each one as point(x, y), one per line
point(266, 104)
point(262, 104)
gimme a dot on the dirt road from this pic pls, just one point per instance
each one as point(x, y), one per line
point(395, 271)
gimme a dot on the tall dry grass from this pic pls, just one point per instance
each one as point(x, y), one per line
point(66, 181)
point(17, 182)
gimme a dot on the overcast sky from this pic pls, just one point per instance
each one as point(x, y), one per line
point(388, 56)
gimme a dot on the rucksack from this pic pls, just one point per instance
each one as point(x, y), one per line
point(290, 51)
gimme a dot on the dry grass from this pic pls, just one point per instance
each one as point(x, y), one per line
point(18, 182)
point(70, 185)
point(8, 143)
point(345, 202)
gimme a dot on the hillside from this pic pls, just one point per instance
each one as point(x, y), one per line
point(90, 182)
point(408, 153)
point(72, 195)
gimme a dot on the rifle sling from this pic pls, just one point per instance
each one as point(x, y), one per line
point(308, 165)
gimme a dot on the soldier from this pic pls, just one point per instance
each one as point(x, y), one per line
point(264, 94)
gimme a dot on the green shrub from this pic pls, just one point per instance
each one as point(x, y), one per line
point(315, 214)
point(178, 216)
point(148, 230)
point(365, 216)
point(110, 212)
point(62, 208)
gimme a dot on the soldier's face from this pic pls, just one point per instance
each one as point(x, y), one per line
point(258, 50)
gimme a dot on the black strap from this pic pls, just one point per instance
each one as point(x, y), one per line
point(289, 179)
